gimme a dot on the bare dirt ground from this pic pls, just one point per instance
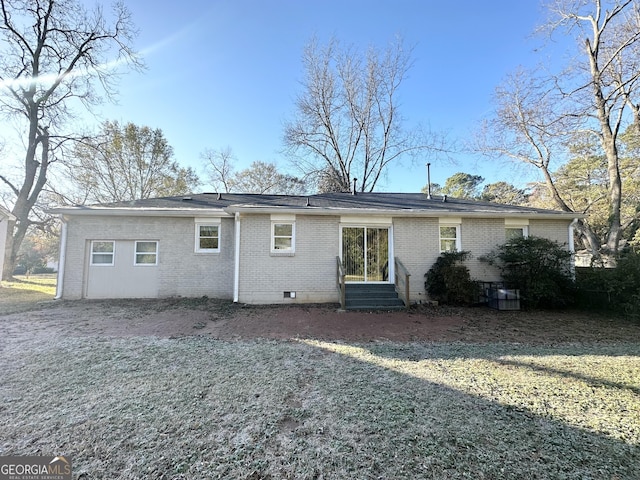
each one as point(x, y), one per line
point(224, 320)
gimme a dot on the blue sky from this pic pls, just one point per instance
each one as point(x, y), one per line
point(226, 73)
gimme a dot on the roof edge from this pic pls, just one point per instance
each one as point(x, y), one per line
point(549, 214)
point(139, 212)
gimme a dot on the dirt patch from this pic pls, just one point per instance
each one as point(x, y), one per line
point(224, 320)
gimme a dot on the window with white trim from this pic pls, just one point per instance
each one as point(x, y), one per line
point(103, 252)
point(283, 237)
point(513, 232)
point(207, 238)
point(449, 238)
point(146, 252)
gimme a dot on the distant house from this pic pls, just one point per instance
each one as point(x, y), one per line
point(270, 249)
point(5, 218)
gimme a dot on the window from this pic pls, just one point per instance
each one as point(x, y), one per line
point(282, 237)
point(146, 253)
point(512, 233)
point(102, 252)
point(449, 238)
point(207, 238)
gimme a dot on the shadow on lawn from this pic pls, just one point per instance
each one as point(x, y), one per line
point(456, 433)
point(203, 408)
point(497, 352)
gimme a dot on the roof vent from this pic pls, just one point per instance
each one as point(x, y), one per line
point(219, 196)
point(185, 199)
point(354, 192)
point(308, 203)
point(444, 198)
point(428, 181)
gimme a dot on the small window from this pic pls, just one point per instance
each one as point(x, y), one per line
point(207, 238)
point(146, 253)
point(283, 237)
point(449, 238)
point(512, 233)
point(102, 252)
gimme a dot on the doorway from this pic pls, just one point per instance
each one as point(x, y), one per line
point(365, 254)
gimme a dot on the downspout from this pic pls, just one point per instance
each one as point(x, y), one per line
point(572, 247)
point(62, 257)
point(236, 267)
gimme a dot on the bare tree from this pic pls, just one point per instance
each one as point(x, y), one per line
point(127, 162)
point(539, 116)
point(219, 167)
point(264, 178)
point(53, 54)
point(348, 123)
point(260, 177)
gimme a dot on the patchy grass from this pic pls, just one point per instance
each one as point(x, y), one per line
point(26, 293)
point(200, 408)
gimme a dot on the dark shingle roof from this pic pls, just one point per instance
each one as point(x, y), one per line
point(365, 202)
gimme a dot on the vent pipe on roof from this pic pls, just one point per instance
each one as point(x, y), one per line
point(428, 181)
point(444, 198)
point(219, 196)
point(308, 203)
point(354, 186)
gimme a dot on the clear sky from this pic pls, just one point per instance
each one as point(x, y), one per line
point(226, 72)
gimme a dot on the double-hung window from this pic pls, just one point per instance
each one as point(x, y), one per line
point(449, 238)
point(513, 233)
point(146, 253)
point(283, 234)
point(103, 252)
point(450, 234)
point(515, 228)
point(207, 237)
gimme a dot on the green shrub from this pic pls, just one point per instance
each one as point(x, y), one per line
point(449, 282)
point(540, 268)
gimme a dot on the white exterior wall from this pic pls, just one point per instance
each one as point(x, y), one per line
point(264, 277)
point(310, 272)
point(553, 230)
point(417, 245)
point(180, 271)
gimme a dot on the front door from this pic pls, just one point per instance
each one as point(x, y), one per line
point(365, 254)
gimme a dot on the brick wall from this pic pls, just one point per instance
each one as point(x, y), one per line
point(310, 272)
point(416, 243)
point(265, 277)
point(180, 271)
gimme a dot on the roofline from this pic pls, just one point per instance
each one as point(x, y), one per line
point(323, 211)
point(550, 215)
point(139, 212)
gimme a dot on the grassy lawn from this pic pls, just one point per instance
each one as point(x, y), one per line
point(195, 407)
point(25, 293)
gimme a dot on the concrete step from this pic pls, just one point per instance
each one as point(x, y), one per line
point(372, 297)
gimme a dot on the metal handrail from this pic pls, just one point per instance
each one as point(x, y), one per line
point(340, 283)
point(402, 276)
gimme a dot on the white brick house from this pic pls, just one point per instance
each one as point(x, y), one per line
point(280, 249)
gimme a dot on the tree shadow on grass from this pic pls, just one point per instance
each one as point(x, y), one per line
point(475, 433)
point(202, 408)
